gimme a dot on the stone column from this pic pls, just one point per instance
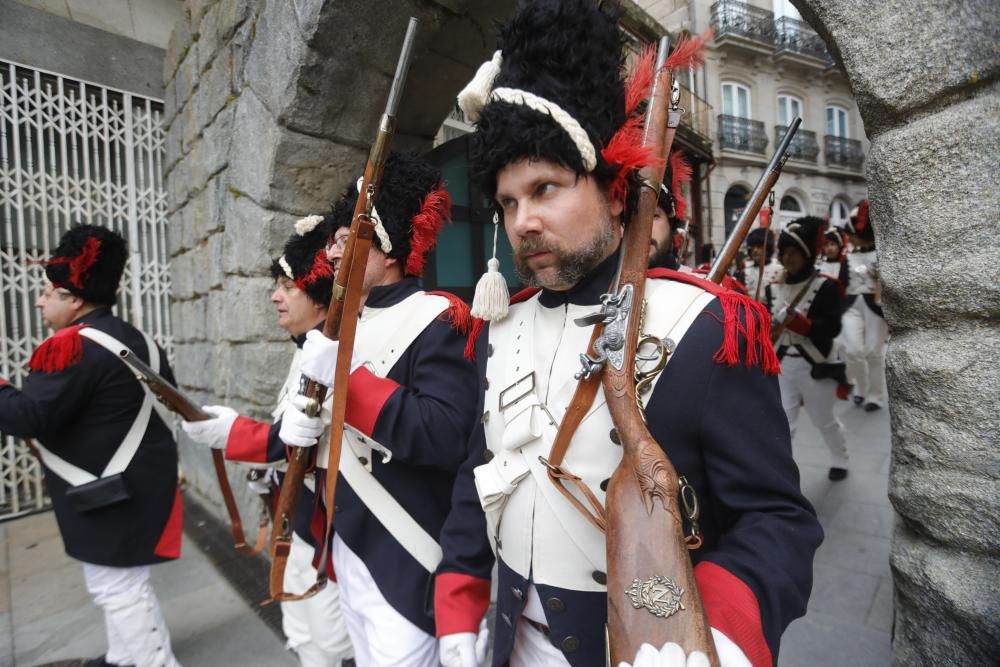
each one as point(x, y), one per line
point(925, 75)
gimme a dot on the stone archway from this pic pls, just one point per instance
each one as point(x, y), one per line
point(925, 76)
point(270, 108)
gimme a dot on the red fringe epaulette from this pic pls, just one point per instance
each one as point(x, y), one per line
point(59, 351)
point(741, 316)
point(458, 314)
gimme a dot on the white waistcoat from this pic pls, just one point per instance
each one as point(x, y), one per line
point(782, 294)
point(863, 267)
point(772, 273)
point(534, 355)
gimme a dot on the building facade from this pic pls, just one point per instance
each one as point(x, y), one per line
point(764, 67)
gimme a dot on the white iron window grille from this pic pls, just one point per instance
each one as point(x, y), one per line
point(73, 152)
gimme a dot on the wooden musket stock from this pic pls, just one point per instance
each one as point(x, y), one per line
point(341, 324)
point(645, 540)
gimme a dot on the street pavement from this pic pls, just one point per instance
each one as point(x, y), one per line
point(46, 613)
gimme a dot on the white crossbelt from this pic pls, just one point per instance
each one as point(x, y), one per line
point(77, 476)
point(410, 318)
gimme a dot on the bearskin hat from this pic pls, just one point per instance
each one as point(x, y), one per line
point(88, 262)
point(570, 53)
point(835, 236)
point(303, 259)
point(859, 224)
point(806, 234)
point(411, 207)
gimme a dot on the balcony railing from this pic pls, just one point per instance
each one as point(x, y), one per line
point(797, 37)
point(699, 112)
point(743, 20)
point(742, 134)
point(804, 145)
point(846, 153)
point(783, 35)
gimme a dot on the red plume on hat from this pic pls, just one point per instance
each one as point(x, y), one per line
point(79, 265)
point(435, 209)
point(680, 175)
point(321, 268)
point(862, 220)
point(625, 149)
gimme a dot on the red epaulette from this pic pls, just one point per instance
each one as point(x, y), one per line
point(59, 351)
point(741, 316)
point(458, 314)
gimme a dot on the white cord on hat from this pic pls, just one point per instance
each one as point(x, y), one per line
point(790, 230)
point(305, 225)
point(476, 95)
point(283, 263)
point(383, 236)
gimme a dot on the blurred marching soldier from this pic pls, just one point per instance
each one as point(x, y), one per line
point(109, 457)
point(808, 305)
point(865, 328)
point(553, 149)
point(303, 285)
point(832, 262)
point(410, 411)
point(664, 241)
point(760, 248)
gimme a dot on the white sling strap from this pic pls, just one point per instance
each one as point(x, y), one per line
point(77, 476)
point(412, 319)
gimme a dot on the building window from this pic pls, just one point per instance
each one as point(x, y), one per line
point(789, 209)
point(839, 213)
point(836, 122)
point(735, 100)
point(789, 108)
point(733, 205)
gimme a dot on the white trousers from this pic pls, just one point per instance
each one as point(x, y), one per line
point(864, 334)
point(315, 626)
point(137, 633)
point(382, 636)
point(533, 649)
point(798, 388)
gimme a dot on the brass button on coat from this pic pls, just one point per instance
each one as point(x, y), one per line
point(555, 604)
point(600, 577)
point(488, 455)
point(570, 644)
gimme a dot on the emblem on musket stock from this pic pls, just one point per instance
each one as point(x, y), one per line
point(658, 595)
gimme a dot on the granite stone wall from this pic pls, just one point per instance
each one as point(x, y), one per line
point(926, 76)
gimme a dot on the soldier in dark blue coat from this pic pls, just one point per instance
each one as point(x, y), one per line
point(303, 285)
point(807, 305)
point(410, 410)
point(110, 461)
point(553, 149)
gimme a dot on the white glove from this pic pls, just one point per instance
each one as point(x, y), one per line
point(671, 655)
point(318, 360)
point(464, 649)
point(212, 432)
point(299, 429)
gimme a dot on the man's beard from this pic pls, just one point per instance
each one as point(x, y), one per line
point(570, 265)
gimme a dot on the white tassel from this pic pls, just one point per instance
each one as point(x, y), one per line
point(492, 300)
point(472, 99)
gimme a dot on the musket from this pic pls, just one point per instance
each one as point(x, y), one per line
point(652, 594)
point(764, 185)
point(341, 324)
point(763, 260)
point(780, 329)
point(177, 402)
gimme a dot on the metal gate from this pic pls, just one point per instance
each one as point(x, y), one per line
point(73, 152)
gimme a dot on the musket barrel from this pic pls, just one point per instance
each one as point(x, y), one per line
point(764, 185)
point(402, 68)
